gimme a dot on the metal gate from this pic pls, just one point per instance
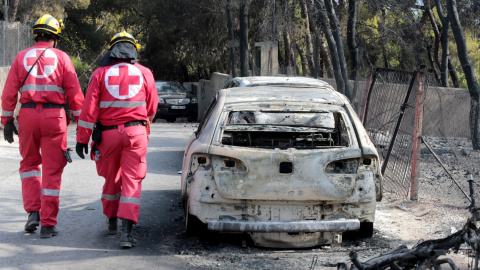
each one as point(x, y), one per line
point(389, 118)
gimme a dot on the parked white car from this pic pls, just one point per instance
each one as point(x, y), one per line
point(292, 167)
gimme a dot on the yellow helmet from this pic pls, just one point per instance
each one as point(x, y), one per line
point(123, 37)
point(48, 25)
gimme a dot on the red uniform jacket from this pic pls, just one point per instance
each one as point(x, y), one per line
point(52, 80)
point(117, 94)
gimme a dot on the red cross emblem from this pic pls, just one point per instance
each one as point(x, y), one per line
point(123, 80)
point(44, 67)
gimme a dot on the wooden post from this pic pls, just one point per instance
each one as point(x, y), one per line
point(417, 136)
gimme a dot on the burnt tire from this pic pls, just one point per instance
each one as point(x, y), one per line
point(365, 231)
point(170, 119)
point(193, 226)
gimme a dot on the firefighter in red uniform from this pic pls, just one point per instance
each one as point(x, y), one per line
point(120, 102)
point(45, 78)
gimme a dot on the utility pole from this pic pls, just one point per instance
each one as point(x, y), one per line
point(6, 10)
point(274, 13)
point(3, 33)
point(232, 44)
point(244, 38)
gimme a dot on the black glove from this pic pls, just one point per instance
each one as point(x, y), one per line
point(80, 148)
point(8, 131)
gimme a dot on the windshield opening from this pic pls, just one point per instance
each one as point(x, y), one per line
point(301, 130)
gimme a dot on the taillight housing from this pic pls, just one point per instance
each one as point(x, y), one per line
point(199, 161)
point(216, 163)
point(223, 163)
point(344, 166)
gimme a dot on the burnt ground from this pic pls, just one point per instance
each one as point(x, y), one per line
point(397, 222)
point(440, 210)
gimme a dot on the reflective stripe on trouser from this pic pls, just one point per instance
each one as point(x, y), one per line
point(123, 165)
point(31, 188)
point(42, 130)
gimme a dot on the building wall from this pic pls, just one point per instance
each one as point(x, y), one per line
point(207, 89)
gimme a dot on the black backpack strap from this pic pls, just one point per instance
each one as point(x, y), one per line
point(33, 66)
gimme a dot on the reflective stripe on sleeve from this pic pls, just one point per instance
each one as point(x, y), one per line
point(7, 113)
point(130, 200)
point(76, 113)
point(50, 192)
point(35, 87)
point(111, 197)
point(30, 174)
point(85, 124)
point(122, 104)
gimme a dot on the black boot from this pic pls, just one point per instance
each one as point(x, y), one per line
point(48, 231)
point(33, 221)
point(127, 240)
point(112, 225)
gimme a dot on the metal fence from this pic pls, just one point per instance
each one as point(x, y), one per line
point(14, 37)
point(389, 116)
point(446, 112)
point(446, 154)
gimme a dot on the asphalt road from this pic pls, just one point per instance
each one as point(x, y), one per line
point(83, 242)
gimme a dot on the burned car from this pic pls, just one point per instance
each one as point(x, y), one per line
point(291, 167)
point(275, 81)
point(175, 101)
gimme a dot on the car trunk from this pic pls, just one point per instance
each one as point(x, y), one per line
point(278, 155)
point(293, 175)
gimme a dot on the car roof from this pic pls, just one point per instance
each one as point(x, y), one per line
point(325, 95)
point(286, 81)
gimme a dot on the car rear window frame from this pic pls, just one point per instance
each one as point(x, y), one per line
point(223, 118)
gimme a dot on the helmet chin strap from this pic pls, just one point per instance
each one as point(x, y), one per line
point(54, 43)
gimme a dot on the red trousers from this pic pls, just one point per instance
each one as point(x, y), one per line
point(43, 138)
point(123, 165)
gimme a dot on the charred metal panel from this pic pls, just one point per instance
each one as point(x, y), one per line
point(263, 180)
point(206, 208)
point(279, 226)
